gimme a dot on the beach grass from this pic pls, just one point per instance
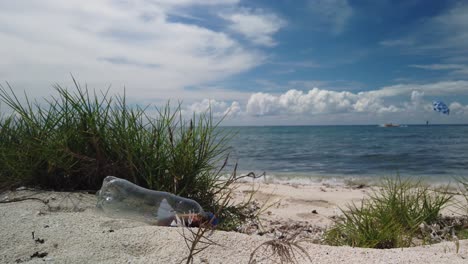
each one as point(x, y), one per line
point(391, 217)
point(463, 190)
point(76, 139)
point(462, 205)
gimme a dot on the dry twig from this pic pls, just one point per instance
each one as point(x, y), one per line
point(280, 250)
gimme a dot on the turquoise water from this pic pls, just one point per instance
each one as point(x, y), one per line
point(436, 152)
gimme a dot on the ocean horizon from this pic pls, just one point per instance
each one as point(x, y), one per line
point(435, 152)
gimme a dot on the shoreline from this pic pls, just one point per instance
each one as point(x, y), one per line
point(346, 181)
point(73, 231)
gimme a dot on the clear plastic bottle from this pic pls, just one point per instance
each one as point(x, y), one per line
point(121, 198)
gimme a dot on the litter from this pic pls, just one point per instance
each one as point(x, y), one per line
point(121, 198)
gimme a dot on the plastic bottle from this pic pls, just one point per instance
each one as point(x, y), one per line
point(121, 198)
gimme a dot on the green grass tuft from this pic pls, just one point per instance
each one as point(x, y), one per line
point(389, 218)
point(76, 139)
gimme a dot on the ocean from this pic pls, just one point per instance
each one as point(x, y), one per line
point(434, 152)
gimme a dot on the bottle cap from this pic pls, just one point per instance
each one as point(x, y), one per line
point(212, 219)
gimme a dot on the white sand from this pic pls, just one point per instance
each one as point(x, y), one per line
point(74, 232)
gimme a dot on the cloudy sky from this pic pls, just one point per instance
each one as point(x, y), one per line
point(282, 62)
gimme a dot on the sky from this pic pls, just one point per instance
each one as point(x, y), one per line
point(257, 62)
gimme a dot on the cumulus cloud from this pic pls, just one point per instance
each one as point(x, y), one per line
point(458, 109)
point(256, 25)
point(262, 104)
point(315, 101)
point(217, 108)
point(417, 96)
point(391, 99)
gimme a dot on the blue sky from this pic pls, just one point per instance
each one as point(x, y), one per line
point(279, 62)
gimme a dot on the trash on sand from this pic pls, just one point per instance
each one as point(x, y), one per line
point(121, 198)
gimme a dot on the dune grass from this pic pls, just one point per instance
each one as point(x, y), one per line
point(389, 218)
point(76, 139)
point(462, 205)
point(463, 190)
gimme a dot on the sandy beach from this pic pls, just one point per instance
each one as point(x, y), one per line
point(69, 229)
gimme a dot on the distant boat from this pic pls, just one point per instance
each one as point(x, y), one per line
point(390, 125)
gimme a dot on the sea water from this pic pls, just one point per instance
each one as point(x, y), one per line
point(434, 152)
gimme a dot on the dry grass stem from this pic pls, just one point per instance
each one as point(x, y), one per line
point(281, 250)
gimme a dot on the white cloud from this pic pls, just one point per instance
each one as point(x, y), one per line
point(315, 101)
point(368, 103)
point(432, 89)
point(438, 66)
point(396, 42)
point(417, 103)
point(217, 108)
point(445, 35)
point(452, 21)
point(257, 25)
point(332, 13)
point(458, 109)
point(456, 69)
point(124, 43)
point(387, 100)
point(416, 96)
point(262, 104)
point(197, 2)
